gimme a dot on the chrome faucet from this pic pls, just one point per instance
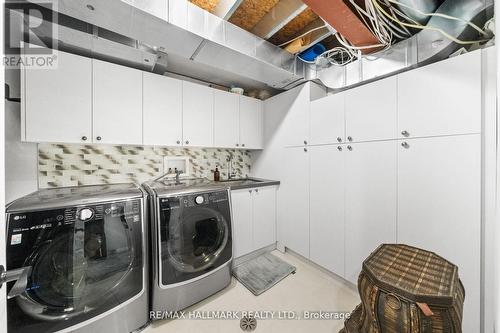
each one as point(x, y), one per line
point(177, 174)
point(230, 171)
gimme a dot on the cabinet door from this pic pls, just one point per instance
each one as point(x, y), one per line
point(198, 113)
point(162, 107)
point(57, 103)
point(327, 120)
point(327, 207)
point(264, 216)
point(251, 126)
point(293, 201)
point(371, 111)
point(439, 206)
point(227, 119)
point(241, 202)
point(370, 201)
point(117, 104)
point(295, 125)
point(441, 99)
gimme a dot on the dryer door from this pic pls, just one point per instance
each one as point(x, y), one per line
point(84, 261)
point(195, 235)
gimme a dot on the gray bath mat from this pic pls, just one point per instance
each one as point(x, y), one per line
point(261, 273)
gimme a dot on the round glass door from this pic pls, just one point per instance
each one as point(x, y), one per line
point(78, 267)
point(196, 239)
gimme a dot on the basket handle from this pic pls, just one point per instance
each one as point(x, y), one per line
point(390, 304)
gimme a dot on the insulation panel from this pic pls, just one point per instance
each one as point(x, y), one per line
point(208, 5)
point(250, 12)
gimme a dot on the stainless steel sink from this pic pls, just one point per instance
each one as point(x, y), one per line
point(241, 181)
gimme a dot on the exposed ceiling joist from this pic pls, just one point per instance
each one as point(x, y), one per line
point(317, 35)
point(226, 8)
point(279, 16)
point(342, 18)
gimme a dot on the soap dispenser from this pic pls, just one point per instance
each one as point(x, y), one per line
point(216, 174)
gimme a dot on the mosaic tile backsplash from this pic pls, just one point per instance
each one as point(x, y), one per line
point(71, 165)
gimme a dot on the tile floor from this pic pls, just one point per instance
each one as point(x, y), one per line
point(310, 289)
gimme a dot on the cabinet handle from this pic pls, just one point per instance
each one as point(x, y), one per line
point(243, 145)
point(257, 190)
point(187, 142)
point(84, 138)
point(305, 142)
point(349, 138)
point(349, 148)
point(237, 145)
point(339, 148)
point(405, 134)
point(178, 142)
point(339, 139)
point(305, 149)
point(405, 145)
point(98, 138)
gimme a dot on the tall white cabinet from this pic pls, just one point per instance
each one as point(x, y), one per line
point(439, 205)
point(293, 201)
point(57, 104)
point(326, 206)
point(117, 92)
point(370, 201)
point(162, 110)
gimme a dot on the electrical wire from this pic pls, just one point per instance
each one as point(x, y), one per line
point(425, 27)
point(469, 23)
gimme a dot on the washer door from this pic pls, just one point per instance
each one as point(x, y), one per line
point(197, 239)
point(81, 266)
point(194, 237)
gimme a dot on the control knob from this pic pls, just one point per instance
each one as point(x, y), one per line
point(85, 214)
point(199, 199)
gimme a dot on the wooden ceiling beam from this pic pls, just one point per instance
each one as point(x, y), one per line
point(342, 18)
point(226, 8)
point(284, 12)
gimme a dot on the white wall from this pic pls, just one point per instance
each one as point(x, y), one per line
point(20, 158)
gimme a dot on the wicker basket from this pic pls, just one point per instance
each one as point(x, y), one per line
point(406, 289)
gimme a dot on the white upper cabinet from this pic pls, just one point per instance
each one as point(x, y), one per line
point(117, 104)
point(226, 119)
point(439, 206)
point(327, 120)
point(162, 108)
point(198, 122)
point(441, 99)
point(57, 103)
point(327, 207)
point(251, 126)
point(370, 210)
point(371, 111)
